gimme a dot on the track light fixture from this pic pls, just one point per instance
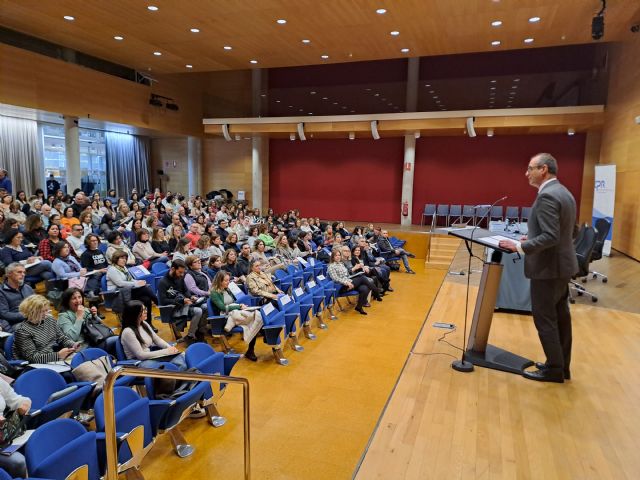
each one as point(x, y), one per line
point(166, 102)
point(597, 24)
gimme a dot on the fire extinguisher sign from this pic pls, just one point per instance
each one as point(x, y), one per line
point(407, 166)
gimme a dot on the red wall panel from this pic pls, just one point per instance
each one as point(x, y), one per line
point(463, 170)
point(355, 180)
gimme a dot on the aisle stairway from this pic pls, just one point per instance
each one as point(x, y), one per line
point(441, 250)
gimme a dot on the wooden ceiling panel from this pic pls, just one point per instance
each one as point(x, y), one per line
point(346, 30)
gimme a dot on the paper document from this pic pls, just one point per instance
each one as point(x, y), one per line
point(496, 239)
point(29, 265)
point(59, 367)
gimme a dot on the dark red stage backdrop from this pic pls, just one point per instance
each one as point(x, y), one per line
point(361, 180)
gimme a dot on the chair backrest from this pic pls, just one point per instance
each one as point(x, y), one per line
point(131, 411)
point(602, 227)
point(103, 247)
point(512, 213)
point(455, 210)
point(198, 352)
point(443, 210)
point(58, 448)
point(38, 384)
point(8, 347)
point(87, 355)
point(120, 355)
point(159, 268)
point(468, 211)
point(429, 209)
point(525, 213)
point(496, 211)
point(584, 243)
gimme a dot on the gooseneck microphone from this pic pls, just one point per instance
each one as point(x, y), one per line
point(462, 365)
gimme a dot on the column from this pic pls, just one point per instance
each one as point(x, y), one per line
point(194, 157)
point(413, 75)
point(256, 170)
point(407, 177)
point(72, 153)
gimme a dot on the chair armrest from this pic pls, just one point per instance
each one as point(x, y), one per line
point(18, 363)
point(33, 413)
point(128, 363)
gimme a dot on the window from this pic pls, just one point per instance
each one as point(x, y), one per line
point(54, 152)
point(93, 162)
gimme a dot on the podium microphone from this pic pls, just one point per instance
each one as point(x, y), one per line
point(462, 365)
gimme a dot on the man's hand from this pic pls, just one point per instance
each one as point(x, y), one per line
point(508, 245)
point(524, 238)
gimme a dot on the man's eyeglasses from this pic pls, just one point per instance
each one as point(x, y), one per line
point(530, 168)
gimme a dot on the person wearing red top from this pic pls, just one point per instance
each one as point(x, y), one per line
point(47, 245)
point(194, 235)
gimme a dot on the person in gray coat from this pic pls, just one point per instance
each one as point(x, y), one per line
point(550, 262)
point(12, 291)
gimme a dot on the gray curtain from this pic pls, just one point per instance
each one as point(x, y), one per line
point(127, 162)
point(19, 153)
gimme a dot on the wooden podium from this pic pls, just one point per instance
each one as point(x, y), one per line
point(479, 352)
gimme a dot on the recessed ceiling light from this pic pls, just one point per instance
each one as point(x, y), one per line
point(194, 30)
point(290, 106)
point(281, 21)
point(69, 17)
point(395, 33)
point(310, 113)
point(324, 57)
point(312, 92)
point(516, 79)
point(496, 23)
point(390, 104)
point(376, 94)
point(534, 19)
point(495, 43)
point(325, 98)
point(153, 8)
point(352, 111)
point(493, 81)
point(306, 40)
point(492, 88)
point(335, 103)
point(277, 101)
point(381, 11)
point(344, 107)
point(118, 37)
point(189, 66)
point(528, 40)
point(228, 47)
point(263, 95)
point(157, 54)
point(435, 97)
point(514, 86)
point(571, 131)
point(383, 99)
point(253, 61)
point(432, 91)
point(427, 84)
point(404, 50)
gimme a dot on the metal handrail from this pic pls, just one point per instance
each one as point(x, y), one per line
point(110, 414)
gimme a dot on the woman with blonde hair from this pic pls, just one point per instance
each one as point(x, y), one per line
point(237, 313)
point(39, 338)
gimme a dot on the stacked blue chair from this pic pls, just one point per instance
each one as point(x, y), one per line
point(291, 311)
point(62, 449)
point(306, 303)
point(206, 360)
point(42, 386)
point(329, 292)
point(428, 212)
point(274, 323)
point(136, 434)
point(443, 212)
point(168, 414)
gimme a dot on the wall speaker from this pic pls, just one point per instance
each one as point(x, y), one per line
point(374, 130)
point(301, 131)
point(470, 130)
point(225, 132)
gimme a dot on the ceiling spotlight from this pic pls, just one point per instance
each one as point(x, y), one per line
point(325, 98)
point(534, 19)
point(496, 23)
point(597, 24)
point(416, 134)
point(292, 136)
point(571, 132)
point(69, 17)
point(157, 54)
point(376, 94)
point(153, 8)
point(281, 21)
point(492, 81)
point(253, 61)
point(490, 132)
point(335, 103)
point(118, 37)
point(324, 57)
point(404, 50)
point(516, 79)
point(427, 84)
point(528, 40)
point(495, 43)
point(312, 92)
point(306, 40)
point(194, 30)
point(352, 135)
point(492, 88)
point(228, 47)
point(189, 66)
point(277, 101)
point(381, 11)
point(395, 33)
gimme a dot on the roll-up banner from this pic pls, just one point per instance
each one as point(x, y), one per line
point(604, 199)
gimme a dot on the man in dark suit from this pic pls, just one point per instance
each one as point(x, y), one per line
point(550, 262)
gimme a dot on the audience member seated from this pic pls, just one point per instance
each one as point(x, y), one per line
point(237, 315)
point(232, 242)
point(386, 249)
point(213, 266)
point(33, 230)
point(355, 268)
point(116, 244)
point(76, 240)
point(361, 255)
point(14, 464)
point(183, 249)
point(159, 243)
point(217, 247)
point(68, 218)
point(267, 239)
point(144, 251)
point(204, 250)
point(140, 342)
point(230, 265)
point(12, 292)
point(172, 291)
point(259, 283)
point(119, 278)
point(14, 252)
point(197, 282)
point(15, 212)
point(340, 275)
point(244, 259)
point(86, 222)
point(193, 235)
point(253, 236)
point(175, 236)
point(74, 314)
point(306, 245)
point(93, 260)
point(66, 267)
point(269, 264)
point(288, 255)
point(39, 338)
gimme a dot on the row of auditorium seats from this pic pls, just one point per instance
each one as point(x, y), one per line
point(472, 214)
